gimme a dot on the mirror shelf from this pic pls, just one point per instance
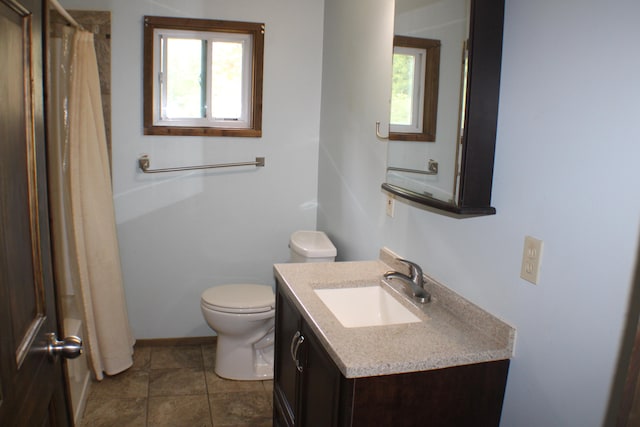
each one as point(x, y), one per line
point(431, 204)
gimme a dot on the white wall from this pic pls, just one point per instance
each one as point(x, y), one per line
point(356, 82)
point(183, 232)
point(566, 172)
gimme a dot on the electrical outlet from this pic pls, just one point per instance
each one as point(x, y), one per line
point(390, 206)
point(531, 258)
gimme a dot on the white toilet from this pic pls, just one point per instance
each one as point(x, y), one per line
point(243, 314)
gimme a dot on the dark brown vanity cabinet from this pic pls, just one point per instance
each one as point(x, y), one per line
point(310, 391)
point(306, 381)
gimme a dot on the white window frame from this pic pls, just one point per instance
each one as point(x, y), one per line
point(160, 91)
point(417, 106)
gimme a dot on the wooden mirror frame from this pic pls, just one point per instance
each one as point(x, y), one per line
point(478, 141)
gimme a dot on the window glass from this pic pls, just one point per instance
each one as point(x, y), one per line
point(407, 99)
point(226, 80)
point(184, 72)
point(403, 97)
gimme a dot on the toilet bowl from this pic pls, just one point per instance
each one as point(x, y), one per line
point(243, 315)
point(243, 318)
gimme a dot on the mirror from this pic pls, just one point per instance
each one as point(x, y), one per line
point(454, 172)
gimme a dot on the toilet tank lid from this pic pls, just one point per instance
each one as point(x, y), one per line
point(312, 244)
point(240, 296)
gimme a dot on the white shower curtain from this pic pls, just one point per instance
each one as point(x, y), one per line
point(84, 231)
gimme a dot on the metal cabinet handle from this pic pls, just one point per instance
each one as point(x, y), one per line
point(69, 348)
point(296, 341)
point(293, 342)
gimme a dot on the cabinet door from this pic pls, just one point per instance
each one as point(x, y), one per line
point(286, 379)
point(320, 388)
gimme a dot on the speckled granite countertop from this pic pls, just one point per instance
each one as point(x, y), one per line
point(453, 331)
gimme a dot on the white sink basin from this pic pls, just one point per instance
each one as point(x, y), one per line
point(365, 306)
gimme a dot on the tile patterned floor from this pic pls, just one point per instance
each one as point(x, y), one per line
point(176, 386)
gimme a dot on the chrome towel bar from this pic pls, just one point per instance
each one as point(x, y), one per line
point(433, 169)
point(144, 163)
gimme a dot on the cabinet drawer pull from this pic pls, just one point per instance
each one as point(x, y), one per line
point(296, 341)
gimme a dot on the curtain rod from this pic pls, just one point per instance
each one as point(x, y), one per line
point(61, 10)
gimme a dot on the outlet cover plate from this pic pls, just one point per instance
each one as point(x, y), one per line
point(390, 206)
point(531, 259)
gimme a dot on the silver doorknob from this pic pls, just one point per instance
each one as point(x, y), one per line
point(69, 348)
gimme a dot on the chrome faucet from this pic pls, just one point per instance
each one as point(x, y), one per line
point(415, 281)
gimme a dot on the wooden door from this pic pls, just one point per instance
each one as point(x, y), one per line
point(31, 384)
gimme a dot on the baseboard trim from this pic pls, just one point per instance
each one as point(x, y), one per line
point(157, 342)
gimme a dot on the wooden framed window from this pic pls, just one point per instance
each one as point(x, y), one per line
point(202, 77)
point(414, 98)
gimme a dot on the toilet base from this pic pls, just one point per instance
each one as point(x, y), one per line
point(236, 360)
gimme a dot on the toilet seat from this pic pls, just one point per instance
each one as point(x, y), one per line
point(239, 298)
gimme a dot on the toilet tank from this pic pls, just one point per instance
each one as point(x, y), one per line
point(311, 246)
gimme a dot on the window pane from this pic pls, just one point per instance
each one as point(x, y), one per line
point(226, 80)
point(402, 89)
point(183, 78)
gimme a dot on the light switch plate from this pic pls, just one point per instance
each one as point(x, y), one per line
point(531, 258)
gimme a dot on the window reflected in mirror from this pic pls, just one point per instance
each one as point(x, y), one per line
point(414, 93)
point(408, 69)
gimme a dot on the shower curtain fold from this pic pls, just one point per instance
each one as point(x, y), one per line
point(108, 339)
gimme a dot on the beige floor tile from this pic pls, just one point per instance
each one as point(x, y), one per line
point(268, 385)
point(141, 357)
point(240, 409)
point(209, 355)
point(128, 384)
point(177, 391)
point(216, 384)
point(176, 382)
point(109, 412)
point(186, 356)
point(268, 389)
point(179, 411)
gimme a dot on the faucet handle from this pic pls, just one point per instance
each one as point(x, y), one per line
point(415, 272)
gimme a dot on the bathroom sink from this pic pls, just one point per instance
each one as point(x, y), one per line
point(365, 306)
